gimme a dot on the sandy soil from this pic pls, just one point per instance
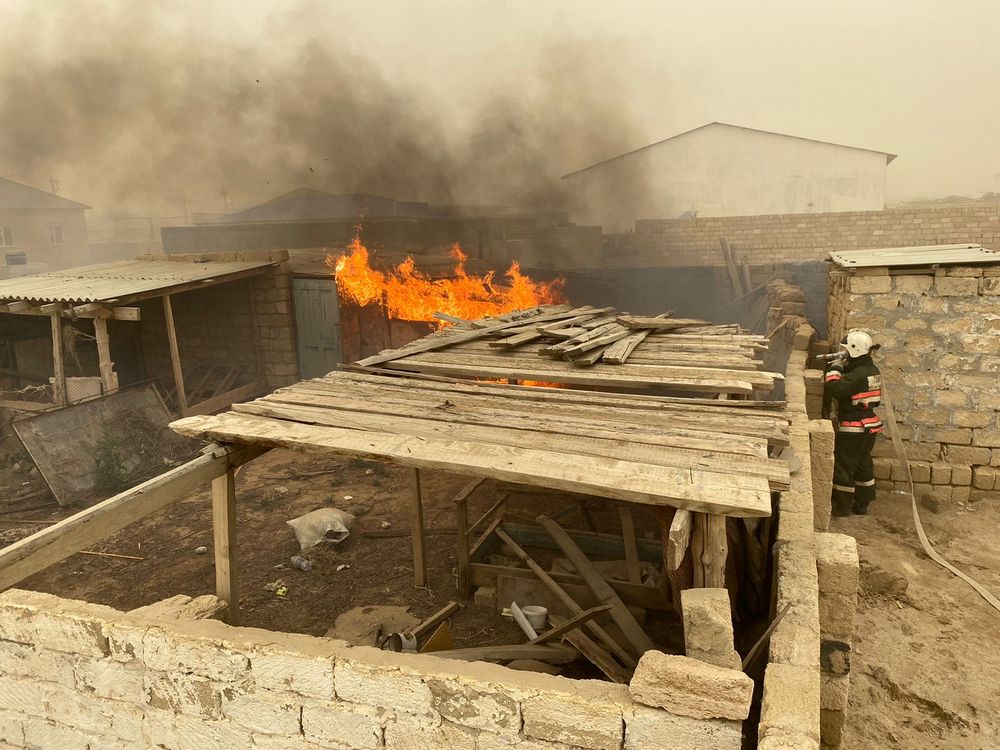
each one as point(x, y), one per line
point(926, 665)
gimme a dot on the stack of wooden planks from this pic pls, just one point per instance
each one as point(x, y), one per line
point(705, 455)
point(564, 345)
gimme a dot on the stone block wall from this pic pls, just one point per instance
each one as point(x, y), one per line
point(940, 359)
point(82, 676)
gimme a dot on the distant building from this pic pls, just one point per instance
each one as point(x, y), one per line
point(39, 231)
point(727, 170)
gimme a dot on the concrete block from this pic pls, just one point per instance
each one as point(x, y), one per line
point(835, 690)
point(883, 468)
point(708, 627)
point(966, 455)
point(689, 687)
point(279, 671)
point(919, 471)
point(97, 716)
point(26, 661)
point(790, 706)
point(265, 713)
point(180, 732)
point(796, 638)
point(408, 734)
point(12, 728)
point(984, 477)
point(870, 284)
point(952, 286)
point(341, 725)
point(179, 692)
point(834, 656)
point(655, 729)
point(381, 686)
point(961, 494)
point(171, 651)
point(485, 596)
point(54, 623)
point(821, 444)
point(39, 733)
point(832, 727)
point(111, 679)
point(576, 719)
point(912, 284)
point(940, 474)
point(961, 476)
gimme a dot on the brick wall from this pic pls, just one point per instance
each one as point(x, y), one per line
point(78, 675)
point(799, 237)
point(940, 333)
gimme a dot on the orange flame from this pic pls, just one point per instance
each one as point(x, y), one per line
point(407, 294)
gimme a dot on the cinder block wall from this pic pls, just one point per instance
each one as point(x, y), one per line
point(79, 675)
point(940, 359)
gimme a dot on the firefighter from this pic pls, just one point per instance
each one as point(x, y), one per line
point(854, 384)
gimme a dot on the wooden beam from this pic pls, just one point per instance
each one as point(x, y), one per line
point(631, 548)
point(224, 400)
point(572, 624)
point(436, 619)
point(109, 378)
point(594, 653)
point(417, 524)
point(462, 551)
point(227, 571)
point(58, 365)
point(605, 594)
point(79, 531)
point(566, 599)
point(52, 307)
point(679, 538)
point(698, 548)
point(553, 654)
point(175, 357)
point(18, 306)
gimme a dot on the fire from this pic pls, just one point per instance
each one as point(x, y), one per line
point(407, 294)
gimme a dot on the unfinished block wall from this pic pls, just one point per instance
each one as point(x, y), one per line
point(79, 675)
point(940, 360)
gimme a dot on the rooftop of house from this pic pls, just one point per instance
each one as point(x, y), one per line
point(21, 197)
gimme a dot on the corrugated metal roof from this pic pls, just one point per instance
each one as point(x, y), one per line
point(924, 255)
point(123, 281)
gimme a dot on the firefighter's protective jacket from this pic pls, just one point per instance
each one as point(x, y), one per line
point(856, 387)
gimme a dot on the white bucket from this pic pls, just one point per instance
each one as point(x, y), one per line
point(536, 616)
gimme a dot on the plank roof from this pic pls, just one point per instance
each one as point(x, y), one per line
point(124, 281)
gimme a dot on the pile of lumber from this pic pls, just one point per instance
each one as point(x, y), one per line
point(564, 345)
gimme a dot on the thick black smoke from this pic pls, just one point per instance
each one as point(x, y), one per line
point(134, 108)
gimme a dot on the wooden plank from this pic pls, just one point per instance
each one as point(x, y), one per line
point(430, 343)
point(499, 505)
point(631, 550)
point(242, 393)
point(594, 653)
point(679, 538)
point(175, 357)
point(593, 543)
point(436, 619)
point(563, 597)
point(715, 551)
point(79, 531)
point(619, 352)
point(227, 571)
point(109, 378)
point(462, 551)
point(58, 365)
point(590, 358)
point(657, 324)
point(604, 593)
point(607, 338)
point(516, 340)
point(417, 524)
point(698, 548)
point(551, 654)
point(701, 490)
point(572, 624)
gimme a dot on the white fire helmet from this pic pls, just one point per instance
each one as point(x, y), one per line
point(857, 343)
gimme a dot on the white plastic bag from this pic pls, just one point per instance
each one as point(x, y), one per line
point(323, 525)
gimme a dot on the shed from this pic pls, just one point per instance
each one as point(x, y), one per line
point(205, 329)
point(935, 310)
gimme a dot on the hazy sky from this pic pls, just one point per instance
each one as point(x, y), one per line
point(569, 82)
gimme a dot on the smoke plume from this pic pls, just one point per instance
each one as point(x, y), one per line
point(132, 108)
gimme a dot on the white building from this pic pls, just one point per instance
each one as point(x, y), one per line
point(727, 170)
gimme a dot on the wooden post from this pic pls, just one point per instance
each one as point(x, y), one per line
point(698, 548)
point(631, 548)
point(58, 365)
point(175, 357)
point(462, 527)
point(417, 532)
point(716, 551)
point(227, 582)
point(109, 378)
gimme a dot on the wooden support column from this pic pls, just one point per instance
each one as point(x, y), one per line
point(175, 357)
point(631, 548)
point(698, 548)
point(109, 378)
point(462, 527)
point(58, 364)
point(716, 551)
point(417, 532)
point(227, 585)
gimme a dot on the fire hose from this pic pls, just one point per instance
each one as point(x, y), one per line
point(897, 445)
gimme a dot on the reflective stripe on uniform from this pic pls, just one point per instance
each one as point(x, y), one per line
point(842, 488)
point(833, 375)
point(869, 483)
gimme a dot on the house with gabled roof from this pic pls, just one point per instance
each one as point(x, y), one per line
point(39, 231)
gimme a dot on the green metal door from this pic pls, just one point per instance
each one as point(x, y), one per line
point(317, 320)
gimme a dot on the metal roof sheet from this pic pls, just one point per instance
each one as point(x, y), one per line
point(120, 280)
point(924, 255)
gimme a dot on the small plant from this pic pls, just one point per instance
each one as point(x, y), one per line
point(108, 469)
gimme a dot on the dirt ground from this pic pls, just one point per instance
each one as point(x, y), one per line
point(925, 671)
point(282, 485)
